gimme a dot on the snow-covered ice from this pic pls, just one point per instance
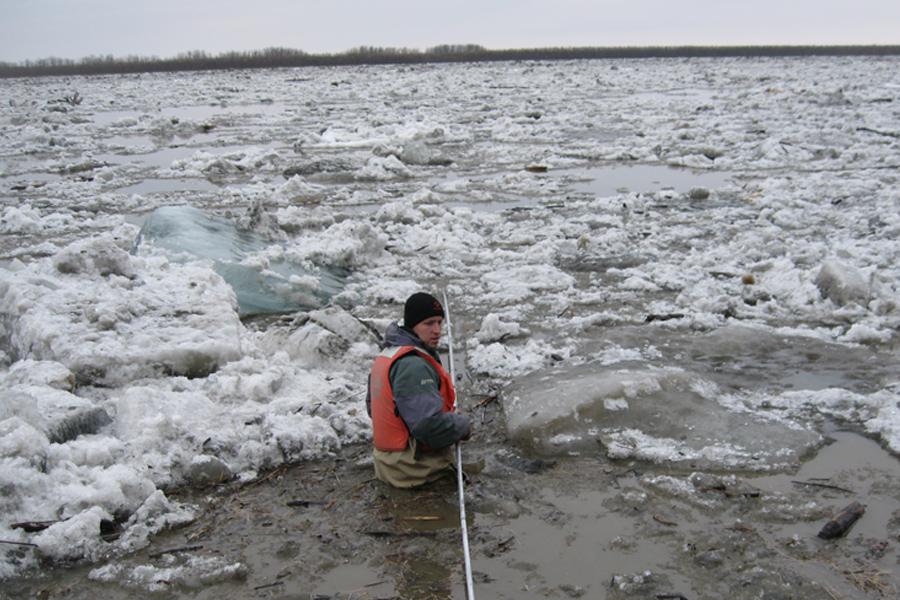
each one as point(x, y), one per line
point(669, 260)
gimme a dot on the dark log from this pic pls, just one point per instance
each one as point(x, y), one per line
point(18, 543)
point(268, 585)
point(824, 485)
point(403, 534)
point(304, 503)
point(33, 526)
point(842, 521)
point(652, 317)
point(884, 133)
point(724, 492)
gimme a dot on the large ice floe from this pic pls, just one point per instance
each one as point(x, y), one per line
point(262, 278)
point(691, 262)
point(651, 414)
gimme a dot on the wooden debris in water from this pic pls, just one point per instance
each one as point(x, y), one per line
point(400, 534)
point(870, 579)
point(823, 485)
point(268, 585)
point(875, 131)
point(666, 317)
point(662, 521)
point(305, 503)
point(725, 492)
point(18, 543)
point(842, 521)
point(33, 526)
point(486, 400)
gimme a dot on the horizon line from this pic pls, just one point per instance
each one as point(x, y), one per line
point(281, 57)
point(433, 49)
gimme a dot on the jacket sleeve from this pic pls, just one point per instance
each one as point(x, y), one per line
point(417, 395)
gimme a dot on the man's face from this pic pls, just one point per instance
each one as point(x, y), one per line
point(429, 331)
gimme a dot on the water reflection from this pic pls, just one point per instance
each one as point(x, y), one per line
point(428, 512)
point(202, 112)
point(421, 579)
point(611, 180)
point(161, 186)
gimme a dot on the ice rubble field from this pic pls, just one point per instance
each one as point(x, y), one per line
point(129, 372)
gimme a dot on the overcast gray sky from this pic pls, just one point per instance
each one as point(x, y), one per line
point(34, 29)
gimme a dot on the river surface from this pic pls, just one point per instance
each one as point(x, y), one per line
point(661, 270)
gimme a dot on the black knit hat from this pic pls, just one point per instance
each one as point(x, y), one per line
point(421, 306)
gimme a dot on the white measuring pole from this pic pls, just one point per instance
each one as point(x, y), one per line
point(470, 592)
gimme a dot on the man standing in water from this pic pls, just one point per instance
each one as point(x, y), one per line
point(411, 400)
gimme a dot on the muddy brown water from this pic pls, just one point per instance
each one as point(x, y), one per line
point(571, 528)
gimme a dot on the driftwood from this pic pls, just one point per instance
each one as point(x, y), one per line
point(33, 526)
point(654, 317)
point(18, 543)
point(305, 503)
point(725, 492)
point(500, 547)
point(823, 485)
point(486, 400)
point(884, 133)
point(842, 521)
point(402, 534)
point(662, 521)
point(268, 585)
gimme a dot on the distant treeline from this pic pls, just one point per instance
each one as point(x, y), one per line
point(364, 55)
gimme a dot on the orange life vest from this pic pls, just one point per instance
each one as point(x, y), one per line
point(388, 429)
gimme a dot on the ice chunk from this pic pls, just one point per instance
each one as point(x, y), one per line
point(262, 279)
point(166, 319)
point(842, 284)
point(75, 537)
point(494, 330)
point(35, 372)
point(206, 469)
point(179, 573)
point(663, 415)
point(417, 153)
point(61, 416)
point(320, 336)
point(96, 256)
point(20, 440)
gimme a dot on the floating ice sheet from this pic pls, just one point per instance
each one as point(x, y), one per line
point(662, 415)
